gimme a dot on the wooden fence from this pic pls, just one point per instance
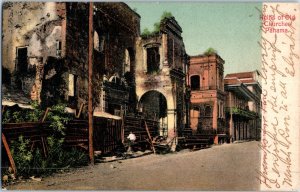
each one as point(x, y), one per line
point(109, 134)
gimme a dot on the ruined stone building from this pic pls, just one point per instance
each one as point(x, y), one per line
point(205, 79)
point(160, 76)
point(33, 36)
point(243, 112)
point(116, 28)
point(45, 57)
point(45, 54)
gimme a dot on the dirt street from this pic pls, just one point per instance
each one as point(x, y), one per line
point(222, 167)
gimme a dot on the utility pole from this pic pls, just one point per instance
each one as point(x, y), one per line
point(90, 94)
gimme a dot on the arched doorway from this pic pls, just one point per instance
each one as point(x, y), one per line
point(153, 105)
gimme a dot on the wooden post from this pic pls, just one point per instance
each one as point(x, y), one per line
point(46, 113)
point(10, 157)
point(150, 139)
point(79, 112)
point(90, 73)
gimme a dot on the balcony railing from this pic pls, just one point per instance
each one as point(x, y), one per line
point(241, 112)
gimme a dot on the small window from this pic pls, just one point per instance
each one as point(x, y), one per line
point(195, 82)
point(96, 41)
point(153, 59)
point(72, 85)
point(126, 61)
point(58, 48)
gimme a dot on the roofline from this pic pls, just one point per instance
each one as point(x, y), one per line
point(242, 87)
point(131, 9)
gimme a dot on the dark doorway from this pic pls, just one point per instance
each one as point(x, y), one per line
point(22, 64)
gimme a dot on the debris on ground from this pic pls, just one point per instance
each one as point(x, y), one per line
point(5, 178)
point(35, 179)
point(50, 183)
point(112, 166)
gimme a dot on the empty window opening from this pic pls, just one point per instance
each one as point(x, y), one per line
point(207, 111)
point(195, 82)
point(126, 61)
point(96, 41)
point(58, 48)
point(153, 59)
point(72, 85)
point(22, 64)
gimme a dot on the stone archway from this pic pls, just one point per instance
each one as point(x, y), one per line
point(154, 105)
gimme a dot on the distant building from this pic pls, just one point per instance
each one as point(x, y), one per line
point(243, 112)
point(205, 80)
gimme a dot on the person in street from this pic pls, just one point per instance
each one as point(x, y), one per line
point(131, 137)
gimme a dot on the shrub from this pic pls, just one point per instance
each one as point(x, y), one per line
point(210, 51)
point(32, 161)
point(18, 115)
point(58, 118)
point(29, 162)
point(22, 155)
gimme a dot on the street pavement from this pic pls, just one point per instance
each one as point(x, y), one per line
point(221, 167)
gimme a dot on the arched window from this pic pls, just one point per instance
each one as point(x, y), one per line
point(116, 80)
point(96, 41)
point(126, 61)
point(195, 82)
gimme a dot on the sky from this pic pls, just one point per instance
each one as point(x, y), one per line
point(230, 28)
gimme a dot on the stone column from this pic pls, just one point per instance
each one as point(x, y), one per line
point(172, 128)
point(215, 120)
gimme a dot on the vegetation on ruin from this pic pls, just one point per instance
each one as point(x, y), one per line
point(31, 161)
point(156, 26)
point(210, 51)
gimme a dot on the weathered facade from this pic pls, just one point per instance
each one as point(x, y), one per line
point(243, 105)
point(45, 54)
point(205, 80)
point(45, 59)
point(33, 38)
point(116, 28)
point(160, 76)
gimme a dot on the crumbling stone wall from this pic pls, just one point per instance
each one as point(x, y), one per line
point(116, 27)
point(169, 77)
point(36, 28)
